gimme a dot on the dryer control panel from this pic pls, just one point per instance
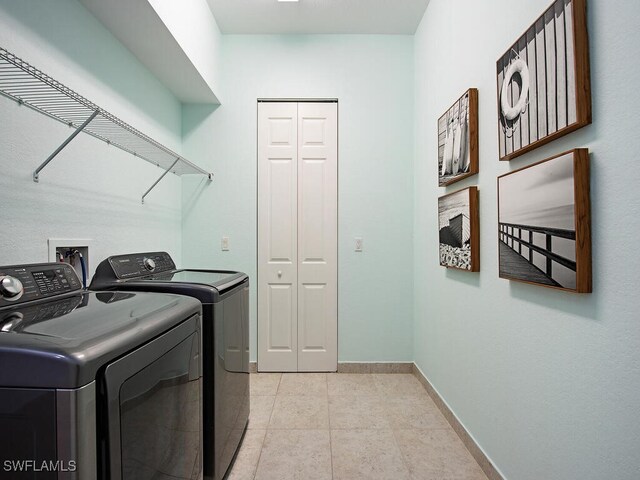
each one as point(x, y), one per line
point(141, 264)
point(25, 283)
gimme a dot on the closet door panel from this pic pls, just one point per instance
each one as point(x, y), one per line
point(317, 237)
point(277, 237)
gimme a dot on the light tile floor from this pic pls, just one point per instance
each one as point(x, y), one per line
point(307, 426)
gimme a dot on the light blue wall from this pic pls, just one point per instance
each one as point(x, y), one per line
point(547, 382)
point(90, 191)
point(372, 76)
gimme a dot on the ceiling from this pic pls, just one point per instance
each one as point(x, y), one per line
point(318, 16)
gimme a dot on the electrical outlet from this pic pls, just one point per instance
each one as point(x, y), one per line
point(224, 244)
point(358, 244)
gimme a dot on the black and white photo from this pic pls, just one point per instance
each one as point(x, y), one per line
point(458, 140)
point(540, 210)
point(543, 81)
point(458, 229)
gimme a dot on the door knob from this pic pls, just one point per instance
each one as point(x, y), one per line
point(279, 273)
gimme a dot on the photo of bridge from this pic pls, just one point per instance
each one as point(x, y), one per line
point(537, 224)
point(518, 248)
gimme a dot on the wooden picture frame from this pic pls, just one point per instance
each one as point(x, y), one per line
point(459, 230)
point(458, 140)
point(544, 223)
point(543, 81)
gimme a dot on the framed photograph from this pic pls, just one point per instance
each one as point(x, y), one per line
point(458, 140)
point(544, 88)
point(544, 223)
point(459, 226)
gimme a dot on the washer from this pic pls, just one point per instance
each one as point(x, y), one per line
point(225, 324)
point(89, 381)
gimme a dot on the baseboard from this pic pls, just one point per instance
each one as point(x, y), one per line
point(486, 465)
point(362, 367)
point(375, 367)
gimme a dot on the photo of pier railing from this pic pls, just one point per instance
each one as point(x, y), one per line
point(517, 244)
point(544, 227)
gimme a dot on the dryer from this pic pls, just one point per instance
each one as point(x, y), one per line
point(225, 324)
point(100, 385)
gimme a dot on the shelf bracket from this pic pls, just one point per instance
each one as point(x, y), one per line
point(158, 181)
point(36, 174)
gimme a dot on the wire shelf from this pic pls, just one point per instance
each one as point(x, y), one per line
point(29, 86)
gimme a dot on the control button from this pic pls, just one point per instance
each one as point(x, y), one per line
point(11, 321)
point(10, 288)
point(149, 264)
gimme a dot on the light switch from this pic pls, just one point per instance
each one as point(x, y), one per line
point(358, 244)
point(225, 244)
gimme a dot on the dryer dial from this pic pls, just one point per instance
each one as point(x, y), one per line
point(11, 288)
point(149, 264)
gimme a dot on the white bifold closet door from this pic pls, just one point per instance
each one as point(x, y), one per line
point(297, 237)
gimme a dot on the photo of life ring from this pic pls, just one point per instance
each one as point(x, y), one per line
point(514, 94)
point(543, 81)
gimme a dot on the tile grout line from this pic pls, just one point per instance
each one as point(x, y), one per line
point(387, 407)
point(329, 421)
point(402, 457)
point(255, 471)
point(273, 407)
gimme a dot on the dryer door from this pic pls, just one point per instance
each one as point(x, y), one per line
point(154, 408)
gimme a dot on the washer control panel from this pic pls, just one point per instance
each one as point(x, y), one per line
point(25, 283)
point(141, 264)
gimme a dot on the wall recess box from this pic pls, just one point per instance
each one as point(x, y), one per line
point(62, 245)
